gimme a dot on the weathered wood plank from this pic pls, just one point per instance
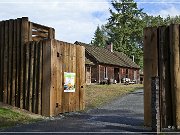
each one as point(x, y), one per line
point(40, 27)
point(27, 69)
point(14, 63)
point(46, 78)
point(150, 69)
point(37, 38)
point(78, 53)
point(66, 69)
point(18, 34)
point(73, 100)
point(53, 91)
point(39, 97)
point(5, 76)
point(1, 91)
point(34, 80)
point(59, 76)
point(175, 73)
point(31, 65)
point(2, 60)
point(51, 33)
point(72, 59)
point(10, 41)
point(63, 70)
point(24, 39)
point(21, 64)
point(30, 31)
point(82, 79)
point(164, 75)
point(37, 73)
point(70, 70)
point(40, 34)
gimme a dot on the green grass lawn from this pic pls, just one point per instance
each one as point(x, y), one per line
point(11, 117)
point(97, 95)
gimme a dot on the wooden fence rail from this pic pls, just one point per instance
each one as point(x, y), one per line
point(161, 58)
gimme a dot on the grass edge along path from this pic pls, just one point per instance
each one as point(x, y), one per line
point(98, 95)
point(12, 116)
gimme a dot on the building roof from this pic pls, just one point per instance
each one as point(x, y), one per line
point(88, 62)
point(104, 56)
point(126, 59)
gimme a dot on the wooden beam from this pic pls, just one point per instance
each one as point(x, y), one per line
point(164, 75)
point(46, 78)
point(37, 38)
point(51, 33)
point(40, 34)
point(150, 69)
point(40, 27)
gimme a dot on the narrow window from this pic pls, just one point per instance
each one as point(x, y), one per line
point(126, 73)
point(105, 72)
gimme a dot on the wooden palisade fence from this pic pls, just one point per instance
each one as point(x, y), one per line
point(32, 66)
point(162, 58)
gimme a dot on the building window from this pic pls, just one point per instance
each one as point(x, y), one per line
point(105, 72)
point(126, 73)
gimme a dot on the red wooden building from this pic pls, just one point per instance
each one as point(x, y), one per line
point(102, 63)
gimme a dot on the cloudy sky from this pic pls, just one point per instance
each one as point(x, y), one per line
point(76, 19)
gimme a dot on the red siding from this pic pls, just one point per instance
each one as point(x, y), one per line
point(131, 74)
point(110, 72)
point(99, 70)
point(123, 72)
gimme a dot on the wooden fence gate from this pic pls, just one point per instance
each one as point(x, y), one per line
point(162, 58)
point(32, 66)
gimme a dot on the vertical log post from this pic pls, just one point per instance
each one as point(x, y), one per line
point(175, 73)
point(150, 69)
point(164, 76)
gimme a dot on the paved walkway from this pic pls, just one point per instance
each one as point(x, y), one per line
point(124, 114)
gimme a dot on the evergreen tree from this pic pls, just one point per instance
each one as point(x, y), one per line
point(99, 38)
point(125, 28)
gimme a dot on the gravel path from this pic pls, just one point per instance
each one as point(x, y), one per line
point(124, 114)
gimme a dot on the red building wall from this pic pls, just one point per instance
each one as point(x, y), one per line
point(98, 71)
point(123, 72)
point(101, 70)
point(110, 72)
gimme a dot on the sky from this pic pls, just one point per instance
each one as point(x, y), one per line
point(77, 20)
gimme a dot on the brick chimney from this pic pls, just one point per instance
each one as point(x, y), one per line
point(110, 46)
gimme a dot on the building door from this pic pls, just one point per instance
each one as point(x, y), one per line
point(88, 75)
point(116, 74)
